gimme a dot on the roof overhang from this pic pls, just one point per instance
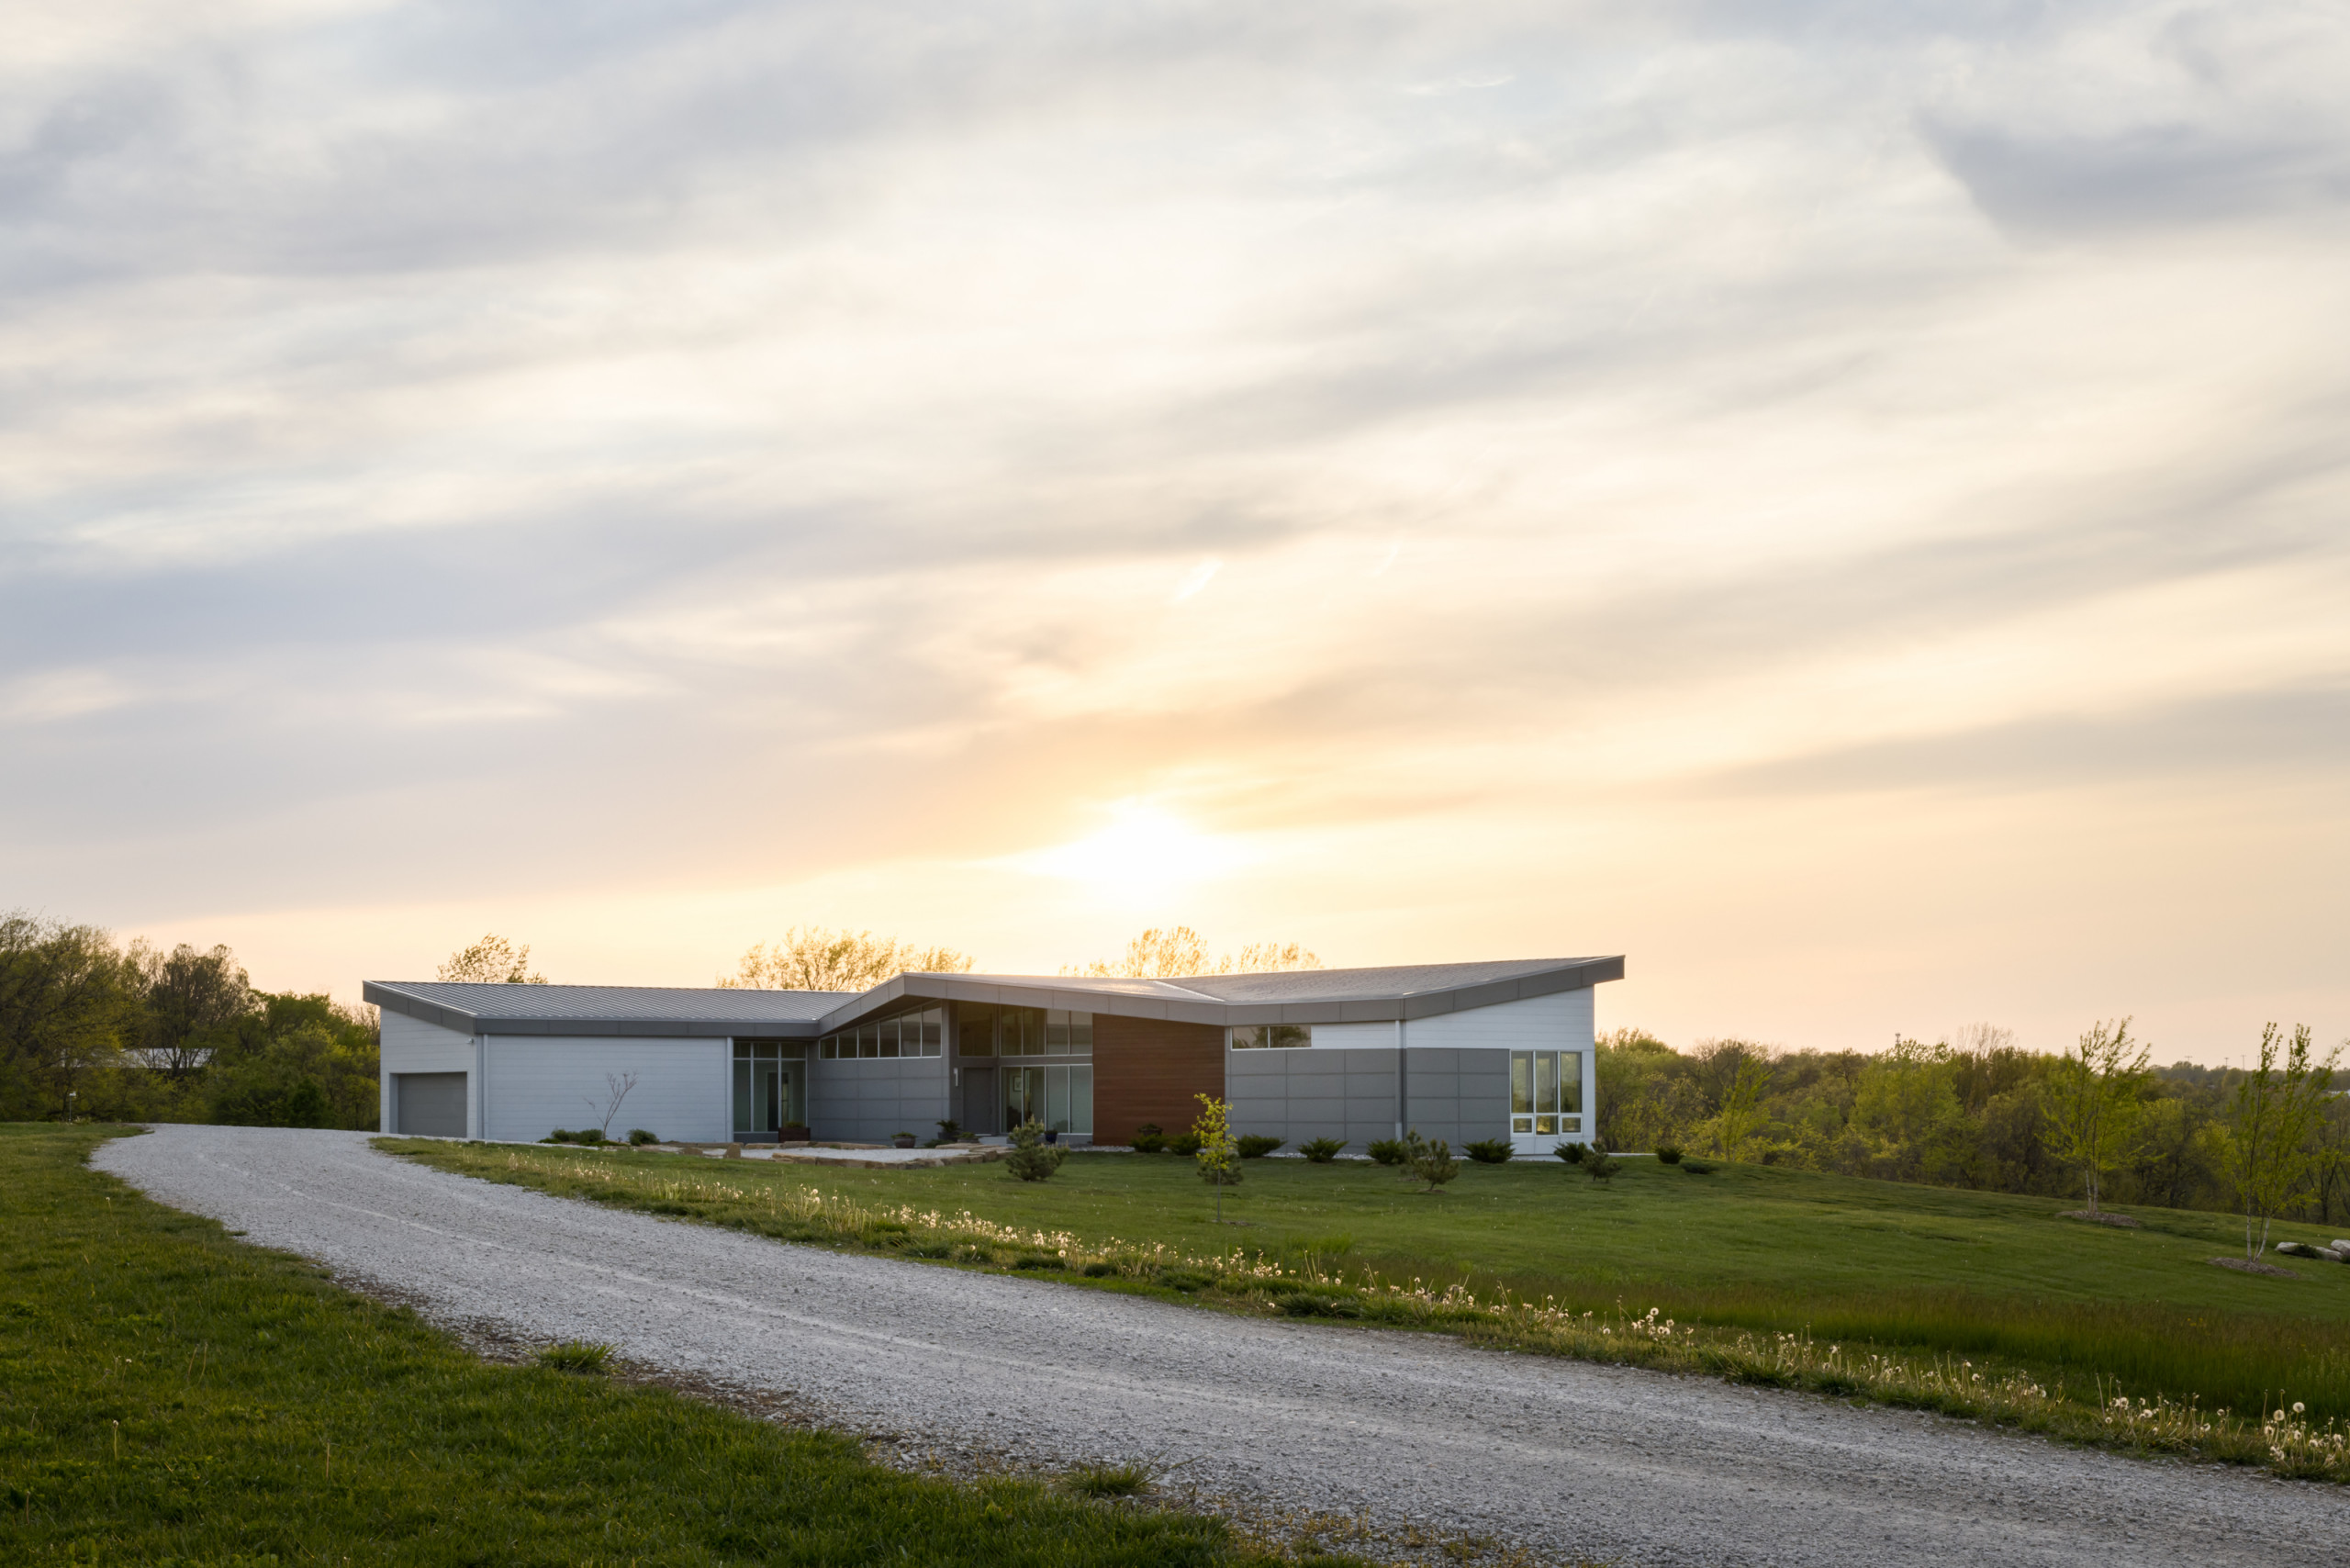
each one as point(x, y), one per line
point(1164, 1000)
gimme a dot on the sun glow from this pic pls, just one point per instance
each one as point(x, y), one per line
point(1142, 848)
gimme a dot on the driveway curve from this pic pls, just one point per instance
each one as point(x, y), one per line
point(1568, 1459)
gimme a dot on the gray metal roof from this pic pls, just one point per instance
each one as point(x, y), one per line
point(1303, 996)
point(604, 1008)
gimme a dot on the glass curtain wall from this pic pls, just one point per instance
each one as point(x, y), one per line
point(1057, 1093)
point(1545, 1092)
point(921, 1032)
point(770, 1087)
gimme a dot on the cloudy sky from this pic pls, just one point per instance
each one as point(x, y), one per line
point(1846, 505)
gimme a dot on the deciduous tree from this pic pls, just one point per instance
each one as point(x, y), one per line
point(2095, 1103)
point(2271, 1152)
point(1166, 952)
point(814, 958)
point(1218, 1155)
point(493, 961)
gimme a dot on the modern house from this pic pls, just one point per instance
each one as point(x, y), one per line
point(1458, 1051)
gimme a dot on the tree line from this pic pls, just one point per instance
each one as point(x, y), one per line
point(90, 1027)
point(2269, 1141)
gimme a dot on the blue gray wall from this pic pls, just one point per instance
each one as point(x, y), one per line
point(1299, 1095)
point(868, 1099)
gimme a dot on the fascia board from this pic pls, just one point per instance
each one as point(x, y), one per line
point(395, 1001)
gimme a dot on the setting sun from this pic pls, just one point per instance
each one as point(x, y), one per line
point(1143, 850)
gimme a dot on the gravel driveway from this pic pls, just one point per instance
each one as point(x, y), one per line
point(1569, 1459)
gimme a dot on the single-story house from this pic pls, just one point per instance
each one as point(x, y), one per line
point(1456, 1051)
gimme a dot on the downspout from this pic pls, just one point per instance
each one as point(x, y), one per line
point(481, 1086)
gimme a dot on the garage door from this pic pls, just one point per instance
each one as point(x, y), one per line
point(432, 1104)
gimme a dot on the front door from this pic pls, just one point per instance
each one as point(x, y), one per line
point(980, 1112)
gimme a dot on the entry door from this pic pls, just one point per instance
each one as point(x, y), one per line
point(981, 1110)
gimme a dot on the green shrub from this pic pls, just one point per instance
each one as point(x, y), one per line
point(638, 1135)
point(1098, 1269)
point(590, 1136)
point(1256, 1146)
point(1666, 1154)
point(1569, 1152)
point(560, 1135)
point(1322, 1151)
point(1185, 1279)
point(1149, 1139)
point(1386, 1150)
point(1598, 1164)
point(575, 1356)
point(1696, 1167)
point(1033, 1262)
point(1319, 1304)
point(1183, 1144)
point(1032, 1159)
point(1489, 1151)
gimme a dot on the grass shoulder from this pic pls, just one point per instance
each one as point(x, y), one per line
point(1979, 1305)
point(169, 1394)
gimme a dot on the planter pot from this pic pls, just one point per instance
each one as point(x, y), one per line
point(902, 1142)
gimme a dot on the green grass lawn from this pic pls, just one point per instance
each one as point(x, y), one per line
point(169, 1395)
point(1748, 1246)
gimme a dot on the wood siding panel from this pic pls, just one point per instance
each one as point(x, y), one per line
point(1146, 1070)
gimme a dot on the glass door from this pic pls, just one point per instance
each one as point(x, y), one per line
point(1059, 1097)
point(770, 1090)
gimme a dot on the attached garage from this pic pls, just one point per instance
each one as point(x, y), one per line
point(429, 1105)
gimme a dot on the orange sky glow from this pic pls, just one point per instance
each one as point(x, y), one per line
point(1817, 506)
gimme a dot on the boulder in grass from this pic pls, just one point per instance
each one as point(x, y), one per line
point(2300, 1250)
point(2341, 1247)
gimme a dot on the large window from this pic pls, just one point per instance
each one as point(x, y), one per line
point(1546, 1093)
point(985, 1031)
point(1261, 1036)
point(770, 1087)
point(921, 1033)
point(1059, 1097)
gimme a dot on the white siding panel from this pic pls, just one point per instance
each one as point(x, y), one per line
point(538, 1083)
point(410, 1044)
point(1355, 1038)
point(1560, 1022)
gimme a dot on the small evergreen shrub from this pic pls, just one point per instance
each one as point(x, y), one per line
point(1032, 1159)
point(589, 1136)
point(1569, 1152)
point(1149, 1139)
point(1256, 1146)
point(1666, 1154)
point(1184, 1144)
point(1696, 1167)
point(1489, 1150)
point(1429, 1162)
point(1386, 1150)
point(1600, 1165)
point(1321, 1150)
point(560, 1135)
point(638, 1136)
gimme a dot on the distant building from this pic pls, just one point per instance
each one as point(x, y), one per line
point(1458, 1051)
